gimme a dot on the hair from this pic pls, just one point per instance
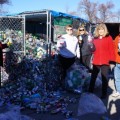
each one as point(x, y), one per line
point(99, 26)
point(67, 26)
point(83, 27)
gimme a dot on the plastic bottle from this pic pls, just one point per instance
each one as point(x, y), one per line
point(90, 43)
point(80, 37)
point(62, 42)
point(89, 38)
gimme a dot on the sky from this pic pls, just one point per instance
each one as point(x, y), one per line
point(18, 6)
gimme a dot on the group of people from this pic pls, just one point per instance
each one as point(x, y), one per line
point(100, 48)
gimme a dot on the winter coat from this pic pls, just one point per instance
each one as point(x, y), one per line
point(84, 46)
point(2, 46)
point(117, 55)
point(70, 48)
point(104, 52)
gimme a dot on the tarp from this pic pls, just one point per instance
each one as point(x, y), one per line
point(58, 14)
point(53, 13)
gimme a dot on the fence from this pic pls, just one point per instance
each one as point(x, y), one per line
point(12, 29)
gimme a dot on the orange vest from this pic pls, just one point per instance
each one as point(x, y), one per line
point(116, 49)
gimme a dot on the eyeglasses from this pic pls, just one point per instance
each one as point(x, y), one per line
point(69, 29)
point(81, 30)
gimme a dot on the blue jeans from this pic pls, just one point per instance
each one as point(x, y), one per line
point(117, 76)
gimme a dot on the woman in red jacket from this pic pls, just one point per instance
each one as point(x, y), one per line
point(103, 54)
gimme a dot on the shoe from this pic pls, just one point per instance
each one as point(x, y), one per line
point(116, 94)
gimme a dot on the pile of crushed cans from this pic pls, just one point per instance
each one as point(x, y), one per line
point(35, 85)
point(34, 81)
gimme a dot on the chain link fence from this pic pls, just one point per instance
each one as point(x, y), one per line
point(12, 30)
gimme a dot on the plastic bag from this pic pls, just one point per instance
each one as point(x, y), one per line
point(90, 103)
point(13, 113)
point(77, 76)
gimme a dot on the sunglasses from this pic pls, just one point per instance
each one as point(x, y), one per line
point(69, 29)
point(81, 30)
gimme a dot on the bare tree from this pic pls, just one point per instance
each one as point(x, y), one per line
point(89, 9)
point(95, 12)
point(70, 12)
point(73, 13)
point(3, 2)
point(105, 11)
point(116, 16)
point(67, 9)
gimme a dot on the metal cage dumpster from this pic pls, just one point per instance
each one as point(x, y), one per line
point(12, 29)
point(44, 23)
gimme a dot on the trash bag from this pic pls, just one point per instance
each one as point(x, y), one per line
point(90, 103)
point(77, 76)
point(13, 113)
point(7, 116)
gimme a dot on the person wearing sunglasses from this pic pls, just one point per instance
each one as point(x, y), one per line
point(68, 49)
point(86, 54)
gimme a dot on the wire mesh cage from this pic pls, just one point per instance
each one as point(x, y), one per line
point(12, 30)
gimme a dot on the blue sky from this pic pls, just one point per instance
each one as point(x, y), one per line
point(28, 5)
point(57, 5)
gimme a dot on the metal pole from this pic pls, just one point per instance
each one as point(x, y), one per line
point(24, 31)
point(47, 33)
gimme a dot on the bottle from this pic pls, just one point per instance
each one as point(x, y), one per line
point(89, 38)
point(80, 37)
point(62, 42)
point(91, 45)
point(4, 35)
